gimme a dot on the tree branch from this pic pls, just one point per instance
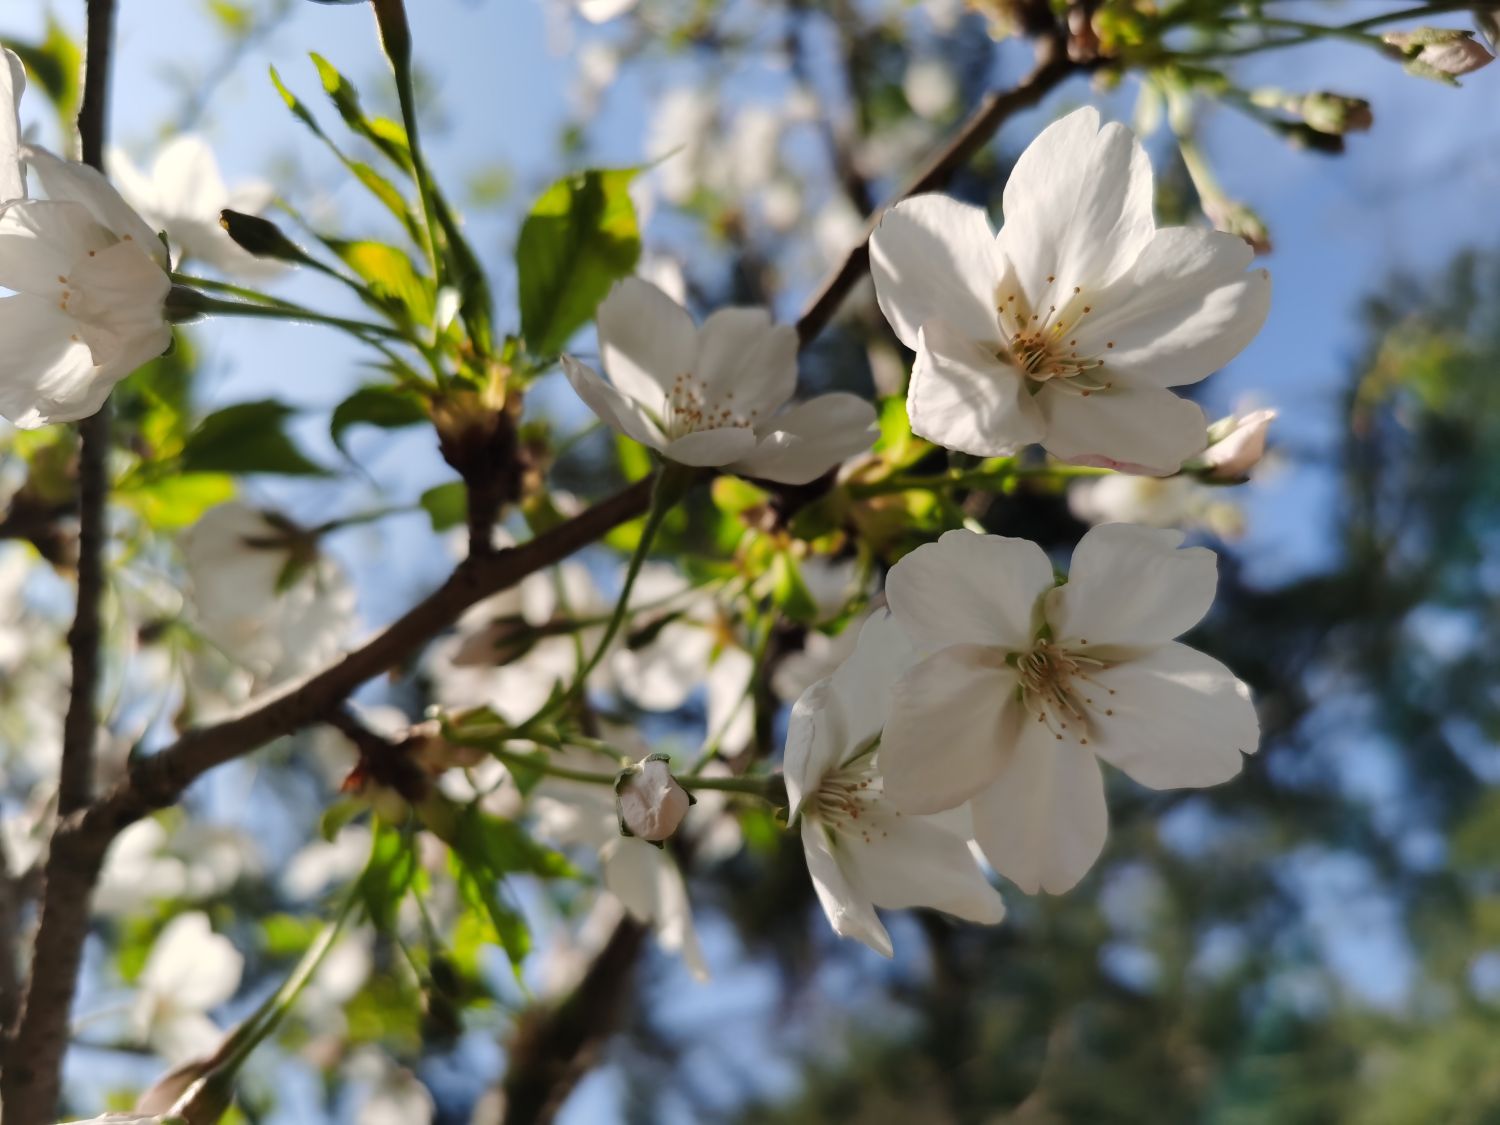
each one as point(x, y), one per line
point(976, 131)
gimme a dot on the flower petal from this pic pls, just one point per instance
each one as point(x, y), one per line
point(968, 588)
point(915, 861)
point(1043, 821)
point(1132, 586)
point(41, 241)
point(187, 179)
point(646, 340)
point(69, 181)
point(849, 913)
point(1181, 719)
point(1137, 429)
point(934, 256)
point(953, 718)
point(814, 743)
point(117, 299)
point(660, 676)
point(812, 438)
point(45, 375)
point(613, 408)
point(863, 683)
point(963, 397)
point(711, 448)
point(12, 85)
point(1182, 311)
point(741, 353)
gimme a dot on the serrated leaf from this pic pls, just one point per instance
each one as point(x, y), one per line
point(247, 438)
point(391, 276)
point(579, 239)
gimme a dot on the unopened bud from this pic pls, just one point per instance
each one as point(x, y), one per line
point(260, 237)
point(650, 801)
point(1336, 113)
point(1235, 218)
point(1302, 135)
point(1439, 52)
point(1236, 446)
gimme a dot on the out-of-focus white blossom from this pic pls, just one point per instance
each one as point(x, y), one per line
point(929, 87)
point(189, 971)
point(713, 396)
point(263, 594)
point(393, 1094)
point(1178, 501)
point(1069, 326)
point(602, 11)
point(1237, 445)
point(183, 194)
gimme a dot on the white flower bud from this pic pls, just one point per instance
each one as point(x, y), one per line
point(650, 801)
point(1441, 53)
point(1237, 445)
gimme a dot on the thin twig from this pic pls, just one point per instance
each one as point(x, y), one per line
point(977, 130)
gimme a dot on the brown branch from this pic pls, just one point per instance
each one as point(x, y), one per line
point(976, 131)
point(31, 1081)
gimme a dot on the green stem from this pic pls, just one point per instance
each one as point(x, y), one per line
point(672, 482)
point(283, 310)
point(993, 479)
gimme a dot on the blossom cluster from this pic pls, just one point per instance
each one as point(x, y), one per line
point(976, 707)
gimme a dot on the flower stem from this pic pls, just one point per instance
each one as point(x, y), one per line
point(280, 310)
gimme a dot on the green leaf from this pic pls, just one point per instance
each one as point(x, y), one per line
point(505, 847)
point(247, 438)
point(387, 875)
point(55, 63)
point(790, 592)
point(376, 184)
point(392, 277)
point(447, 505)
point(377, 404)
point(579, 239)
point(389, 138)
point(173, 502)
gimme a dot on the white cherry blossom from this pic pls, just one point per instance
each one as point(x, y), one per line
point(644, 878)
point(183, 194)
point(12, 86)
point(89, 283)
point(263, 594)
point(713, 396)
point(1024, 685)
point(862, 852)
point(1066, 328)
point(189, 971)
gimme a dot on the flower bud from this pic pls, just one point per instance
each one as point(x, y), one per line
point(260, 237)
point(1336, 113)
point(650, 801)
point(1236, 446)
point(1232, 217)
point(1439, 52)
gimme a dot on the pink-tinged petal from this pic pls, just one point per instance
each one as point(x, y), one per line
point(1140, 429)
point(613, 408)
point(69, 181)
point(953, 719)
point(912, 861)
point(741, 353)
point(812, 438)
point(1181, 719)
point(934, 256)
point(1183, 311)
point(646, 340)
point(964, 398)
point(1132, 587)
point(970, 589)
point(849, 913)
point(45, 375)
point(1042, 823)
point(710, 448)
